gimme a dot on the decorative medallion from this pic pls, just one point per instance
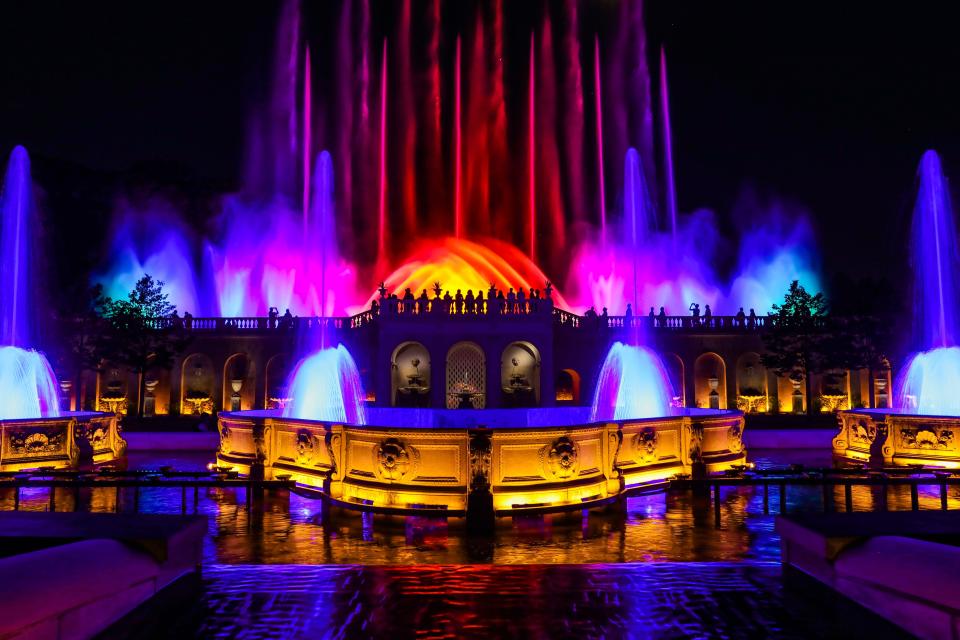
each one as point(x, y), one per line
point(562, 460)
point(645, 444)
point(394, 459)
point(306, 446)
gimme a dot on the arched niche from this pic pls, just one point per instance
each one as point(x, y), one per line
point(239, 383)
point(197, 385)
point(410, 375)
point(568, 387)
point(520, 375)
point(710, 381)
point(466, 376)
point(675, 373)
point(275, 378)
point(752, 389)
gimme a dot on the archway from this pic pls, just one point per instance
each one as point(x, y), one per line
point(520, 375)
point(466, 377)
point(197, 385)
point(275, 378)
point(710, 381)
point(675, 370)
point(239, 381)
point(568, 387)
point(410, 375)
point(752, 389)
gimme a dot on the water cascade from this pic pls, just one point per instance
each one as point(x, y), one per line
point(326, 386)
point(28, 388)
point(632, 384)
point(929, 382)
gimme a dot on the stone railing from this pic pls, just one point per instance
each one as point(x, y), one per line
point(455, 309)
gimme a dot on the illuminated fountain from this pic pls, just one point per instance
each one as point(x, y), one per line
point(431, 188)
point(34, 430)
point(28, 388)
point(633, 384)
point(924, 427)
point(325, 386)
point(446, 461)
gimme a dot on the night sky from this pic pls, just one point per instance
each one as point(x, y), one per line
point(827, 104)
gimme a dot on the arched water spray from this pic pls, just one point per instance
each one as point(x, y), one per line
point(28, 386)
point(326, 386)
point(633, 384)
point(929, 382)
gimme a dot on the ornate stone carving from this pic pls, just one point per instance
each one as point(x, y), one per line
point(261, 433)
point(561, 460)
point(480, 451)
point(696, 442)
point(394, 459)
point(35, 443)
point(735, 438)
point(332, 441)
point(862, 433)
point(307, 445)
point(616, 441)
point(225, 438)
point(645, 444)
point(926, 438)
point(97, 435)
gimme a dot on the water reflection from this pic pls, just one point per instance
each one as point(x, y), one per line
point(291, 529)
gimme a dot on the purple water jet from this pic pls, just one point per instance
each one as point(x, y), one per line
point(633, 384)
point(28, 387)
point(326, 386)
point(928, 383)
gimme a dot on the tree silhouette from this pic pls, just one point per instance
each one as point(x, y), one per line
point(140, 334)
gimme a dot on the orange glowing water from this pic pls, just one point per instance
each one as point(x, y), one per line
point(467, 265)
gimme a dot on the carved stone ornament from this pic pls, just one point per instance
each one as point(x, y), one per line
point(735, 439)
point(480, 451)
point(306, 446)
point(394, 459)
point(225, 438)
point(35, 443)
point(562, 460)
point(645, 444)
point(926, 438)
point(863, 434)
point(696, 442)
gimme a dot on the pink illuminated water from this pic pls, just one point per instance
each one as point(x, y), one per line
point(633, 384)
point(929, 382)
point(326, 386)
point(671, 195)
point(442, 157)
point(598, 111)
point(648, 266)
point(28, 387)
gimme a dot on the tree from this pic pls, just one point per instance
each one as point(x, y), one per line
point(82, 327)
point(805, 339)
point(139, 335)
point(795, 339)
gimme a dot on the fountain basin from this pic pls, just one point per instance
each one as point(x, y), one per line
point(430, 460)
point(61, 442)
point(900, 437)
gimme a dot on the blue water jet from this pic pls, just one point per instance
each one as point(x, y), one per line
point(28, 386)
point(326, 386)
point(930, 379)
point(633, 384)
